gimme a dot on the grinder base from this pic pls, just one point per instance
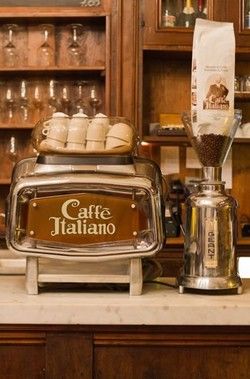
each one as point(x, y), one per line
point(229, 285)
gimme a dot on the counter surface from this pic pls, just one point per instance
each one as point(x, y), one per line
point(158, 305)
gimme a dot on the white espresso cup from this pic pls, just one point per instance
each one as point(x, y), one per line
point(77, 131)
point(114, 143)
point(95, 145)
point(97, 129)
point(103, 120)
point(121, 131)
point(56, 130)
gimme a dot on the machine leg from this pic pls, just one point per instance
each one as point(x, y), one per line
point(239, 290)
point(181, 289)
point(32, 275)
point(136, 278)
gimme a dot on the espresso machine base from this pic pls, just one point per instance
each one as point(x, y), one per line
point(123, 271)
point(231, 284)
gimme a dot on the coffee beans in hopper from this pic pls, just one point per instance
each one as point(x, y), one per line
point(210, 148)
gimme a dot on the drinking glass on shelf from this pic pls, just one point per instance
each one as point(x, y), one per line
point(37, 102)
point(94, 101)
point(9, 106)
point(12, 150)
point(45, 52)
point(80, 103)
point(23, 102)
point(10, 50)
point(52, 98)
point(65, 98)
point(74, 49)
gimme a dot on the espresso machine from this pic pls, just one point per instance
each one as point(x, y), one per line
point(87, 204)
point(211, 221)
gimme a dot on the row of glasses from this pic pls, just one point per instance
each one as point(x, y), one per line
point(73, 98)
point(45, 52)
point(31, 100)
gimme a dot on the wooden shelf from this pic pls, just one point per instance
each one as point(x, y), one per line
point(16, 127)
point(180, 140)
point(5, 181)
point(171, 140)
point(100, 69)
point(55, 12)
point(242, 95)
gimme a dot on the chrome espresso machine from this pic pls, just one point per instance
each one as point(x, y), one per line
point(86, 204)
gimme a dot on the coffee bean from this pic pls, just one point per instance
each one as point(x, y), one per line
point(211, 148)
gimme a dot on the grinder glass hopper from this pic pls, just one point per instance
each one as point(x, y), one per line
point(212, 139)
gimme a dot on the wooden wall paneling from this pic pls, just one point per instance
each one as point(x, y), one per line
point(166, 86)
point(115, 58)
point(198, 353)
point(130, 36)
point(175, 362)
point(124, 351)
point(107, 57)
point(220, 9)
point(69, 355)
point(22, 355)
point(124, 59)
point(241, 178)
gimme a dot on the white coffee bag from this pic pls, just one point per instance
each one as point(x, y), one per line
point(213, 69)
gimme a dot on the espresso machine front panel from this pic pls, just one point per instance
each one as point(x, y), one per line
point(86, 215)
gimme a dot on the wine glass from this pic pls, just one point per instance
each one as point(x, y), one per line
point(9, 105)
point(9, 50)
point(80, 103)
point(94, 101)
point(12, 150)
point(37, 102)
point(23, 101)
point(45, 53)
point(52, 99)
point(74, 49)
point(65, 98)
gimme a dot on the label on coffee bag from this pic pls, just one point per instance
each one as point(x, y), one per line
point(213, 70)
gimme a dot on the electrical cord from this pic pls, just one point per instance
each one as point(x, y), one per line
point(162, 283)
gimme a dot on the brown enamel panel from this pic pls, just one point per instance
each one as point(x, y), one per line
point(84, 218)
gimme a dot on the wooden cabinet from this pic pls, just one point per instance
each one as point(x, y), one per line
point(165, 55)
point(111, 352)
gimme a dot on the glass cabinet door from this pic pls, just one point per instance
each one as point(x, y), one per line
point(246, 14)
point(181, 13)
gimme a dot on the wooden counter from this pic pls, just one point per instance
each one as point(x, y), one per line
point(109, 335)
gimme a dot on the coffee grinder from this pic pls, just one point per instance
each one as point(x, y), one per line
point(210, 227)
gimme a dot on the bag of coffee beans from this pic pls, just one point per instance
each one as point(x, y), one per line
point(213, 69)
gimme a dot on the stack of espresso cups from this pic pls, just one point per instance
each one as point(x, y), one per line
point(77, 131)
point(119, 135)
point(56, 131)
point(96, 133)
